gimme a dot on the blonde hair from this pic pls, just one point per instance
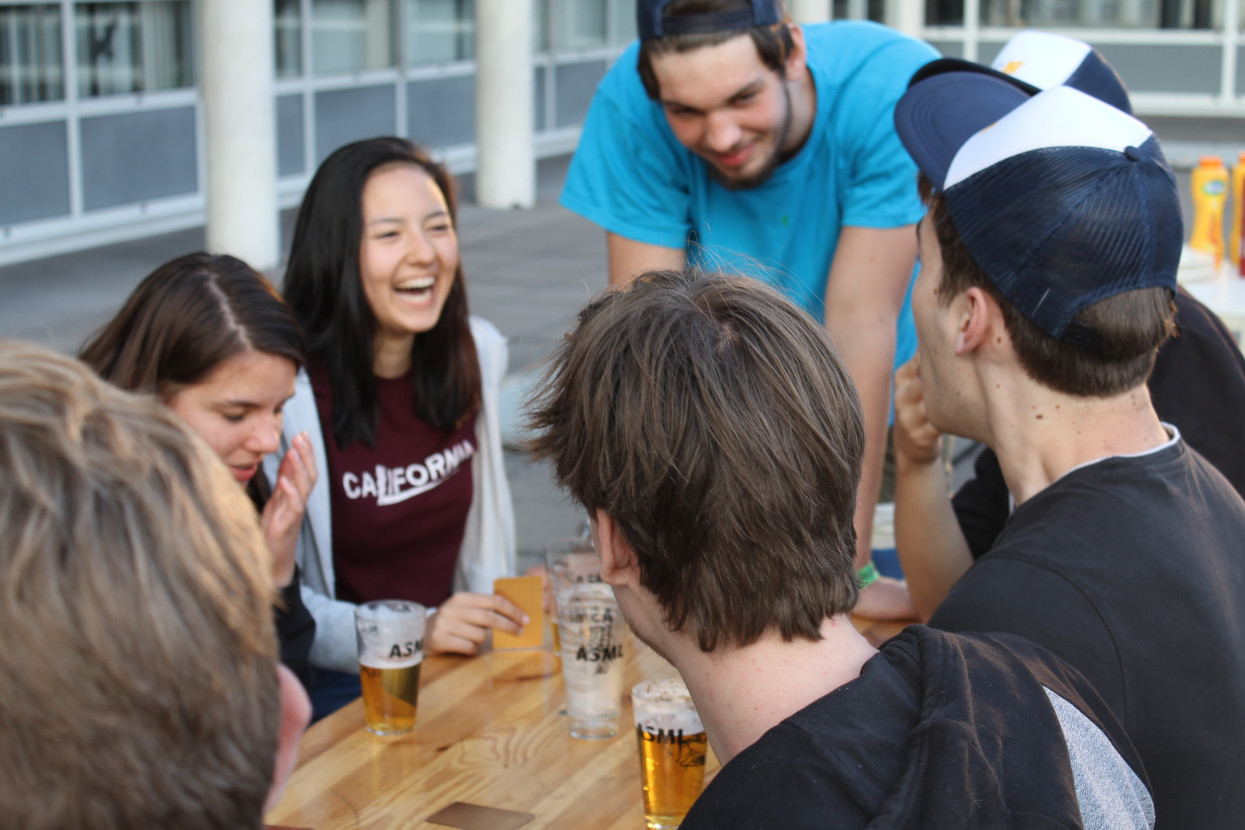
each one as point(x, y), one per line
point(138, 683)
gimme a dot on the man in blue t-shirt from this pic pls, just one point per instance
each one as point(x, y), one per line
point(731, 138)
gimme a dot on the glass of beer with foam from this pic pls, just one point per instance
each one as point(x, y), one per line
point(391, 648)
point(672, 750)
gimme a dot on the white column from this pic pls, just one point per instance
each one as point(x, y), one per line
point(907, 16)
point(972, 16)
point(1231, 38)
point(506, 160)
point(811, 11)
point(240, 130)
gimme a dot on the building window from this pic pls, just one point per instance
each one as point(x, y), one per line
point(858, 10)
point(1147, 14)
point(128, 48)
point(441, 30)
point(30, 55)
point(287, 38)
point(353, 35)
point(624, 22)
point(578, 24)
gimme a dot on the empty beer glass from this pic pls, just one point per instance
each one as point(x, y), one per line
point(567, 562)
point(391, 649)
point(592, 632)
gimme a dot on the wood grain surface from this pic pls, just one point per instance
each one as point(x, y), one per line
point(490, 730)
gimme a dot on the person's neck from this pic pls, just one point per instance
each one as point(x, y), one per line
point(1040, 435)
point(391, 356)
point(741, 693)
point(803, 113)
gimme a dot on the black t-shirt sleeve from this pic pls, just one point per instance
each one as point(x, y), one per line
point(296, 630)
point(1001, 594)
point(982, 504)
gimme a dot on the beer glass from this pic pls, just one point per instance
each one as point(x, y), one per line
point(592, 631)
point(672, 750)
point(568, 562)
point(391, 648)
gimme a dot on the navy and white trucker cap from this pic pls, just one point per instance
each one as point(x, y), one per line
point(651, 22)
point(1060, 198)
point(1034, 61)
point(1048, 60)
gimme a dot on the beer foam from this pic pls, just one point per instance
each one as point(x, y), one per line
point(375, 661)
point(664, 705)
point(384, 611)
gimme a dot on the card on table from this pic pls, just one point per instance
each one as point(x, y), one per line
point(478, 817)
point(527, 592)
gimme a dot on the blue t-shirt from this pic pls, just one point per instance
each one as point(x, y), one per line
point(631, 176)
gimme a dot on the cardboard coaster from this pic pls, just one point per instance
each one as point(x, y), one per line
point(527, 592)
point(478, 817)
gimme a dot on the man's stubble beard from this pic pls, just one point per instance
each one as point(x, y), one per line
point(776, 158)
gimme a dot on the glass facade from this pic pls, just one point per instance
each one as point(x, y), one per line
point(859, 10)
point(102, 121)
point(353, 35)
point(129, 48)
point(578, 24)
point(1114, 14)
point(30, 55)
point(441, 31)
point(287, 38)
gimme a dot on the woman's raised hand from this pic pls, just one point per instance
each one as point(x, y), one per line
point(283, 514)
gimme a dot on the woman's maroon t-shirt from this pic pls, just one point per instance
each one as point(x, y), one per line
point(400, 507)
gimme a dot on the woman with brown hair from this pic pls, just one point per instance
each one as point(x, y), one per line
point(210, 337)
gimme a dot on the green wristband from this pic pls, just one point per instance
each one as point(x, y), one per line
point(867, 575)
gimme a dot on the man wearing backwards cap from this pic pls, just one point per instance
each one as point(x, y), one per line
point(730, 137)
point(1198, 381)
point(1049, 256)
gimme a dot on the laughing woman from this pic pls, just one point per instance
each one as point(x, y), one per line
point(400, 400)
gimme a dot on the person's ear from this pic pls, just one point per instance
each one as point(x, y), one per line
point(797, 59)
point(618, 561)
point(976, 320)
point(295, 715)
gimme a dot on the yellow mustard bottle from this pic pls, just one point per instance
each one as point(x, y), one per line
point(1210, 190)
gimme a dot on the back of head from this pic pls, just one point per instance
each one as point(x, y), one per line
point(138, 683)
point(714, 422)
point(185, 319)
point(675, 26)
point(1062, 207)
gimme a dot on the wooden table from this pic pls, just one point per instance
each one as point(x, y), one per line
point(491, 730)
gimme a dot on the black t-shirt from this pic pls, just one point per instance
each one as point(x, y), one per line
point(1132, 570)
point(938, 731)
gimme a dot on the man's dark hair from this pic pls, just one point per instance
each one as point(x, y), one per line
point(1132, 325)
point(773, 43)
point(715, 423)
